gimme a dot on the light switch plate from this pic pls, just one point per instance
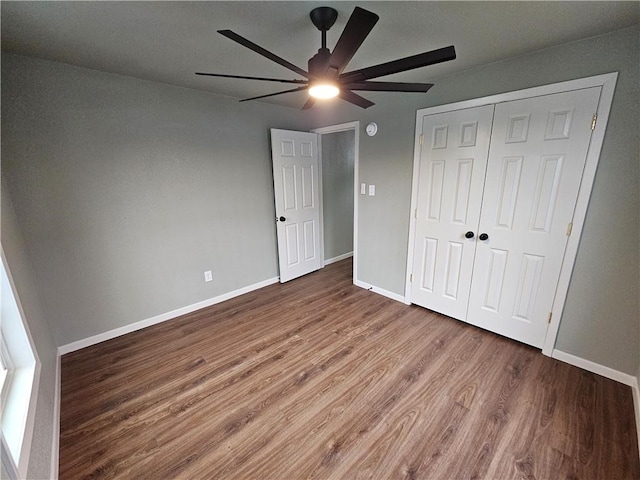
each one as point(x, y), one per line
point(363, 189)
point(372, 190)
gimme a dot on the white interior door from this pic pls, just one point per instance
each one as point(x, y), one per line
point(453, 159)
point(537, 156)
point(295, 181)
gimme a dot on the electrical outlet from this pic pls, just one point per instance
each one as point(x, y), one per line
point(372, 190)
point(208, 276)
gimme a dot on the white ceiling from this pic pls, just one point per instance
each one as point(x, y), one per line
point(168, 41)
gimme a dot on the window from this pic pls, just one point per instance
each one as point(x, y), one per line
point(18, 380)
point(6, 369)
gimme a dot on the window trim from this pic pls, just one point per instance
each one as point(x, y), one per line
point(6, 374)
point(25, 378)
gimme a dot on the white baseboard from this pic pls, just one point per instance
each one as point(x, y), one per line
point(55, 444)
point(607, 372)
point(380, 291)
point(636, 405)
point(338, 258)
point(101, 337)
point(594, 367)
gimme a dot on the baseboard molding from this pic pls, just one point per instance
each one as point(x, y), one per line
point(338, 258)
point(594, 367)
point(117, 332)
point(636, 405)
point(55, 443)
point(380, 291)
point(607, 372)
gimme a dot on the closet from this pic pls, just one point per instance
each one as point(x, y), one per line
point(494, 199)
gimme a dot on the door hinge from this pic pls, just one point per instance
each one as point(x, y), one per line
point(549, 319)
point(411, 278)
point(416, 213)
point(594, 120)
point(421, 138)
point(569, 228)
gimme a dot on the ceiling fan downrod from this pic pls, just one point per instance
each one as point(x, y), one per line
point(323, 18)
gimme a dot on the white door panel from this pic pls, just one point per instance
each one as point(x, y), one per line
point(537, 156)
point(451, 177)
point(295, 179)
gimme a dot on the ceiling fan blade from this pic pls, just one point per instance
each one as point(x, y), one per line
point(389, 86)
point(302, 82)
point(400, 65)
point(356, 99)
point(265, 53)
point(309, 103)
point(274, 94)
point(360, 23)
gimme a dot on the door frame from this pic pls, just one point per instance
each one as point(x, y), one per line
point(342, 127)
point(607, 82)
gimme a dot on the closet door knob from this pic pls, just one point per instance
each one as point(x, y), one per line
point(282, 219)
point(483, 236)
point(469, 234)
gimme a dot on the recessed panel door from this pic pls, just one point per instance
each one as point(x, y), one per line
point(453, 160)
point(295, 180)
point(537, 156)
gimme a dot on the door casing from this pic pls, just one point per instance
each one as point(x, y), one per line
point(342, 127)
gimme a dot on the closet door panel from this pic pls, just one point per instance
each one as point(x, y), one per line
point(537, 156)
point(452, 167)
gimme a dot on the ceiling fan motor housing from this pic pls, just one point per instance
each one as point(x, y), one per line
point(318, 63)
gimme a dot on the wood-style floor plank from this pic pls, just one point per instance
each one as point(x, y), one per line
point(319, 379)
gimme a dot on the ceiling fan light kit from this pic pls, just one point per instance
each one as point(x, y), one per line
point(323, 91)
point(325, 77)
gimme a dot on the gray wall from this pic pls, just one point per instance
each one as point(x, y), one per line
point(338, 151)
point(41, 334)
point(601, 322)
point(126, 191)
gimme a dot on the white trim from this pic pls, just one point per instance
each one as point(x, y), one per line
point(55, 442)
point(356, 197)
point(101, 337)
point(607, 82)
point(380, 291)
point(578, 84)
point(607, 372)
point(343, 127)
point(593, 367)
point(22, 463)
point(7, 460)
point(414, 204)
point(320, 198)
point(635, 388)
point(338, 258)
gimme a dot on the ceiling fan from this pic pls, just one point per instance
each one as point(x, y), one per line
point(326, 78)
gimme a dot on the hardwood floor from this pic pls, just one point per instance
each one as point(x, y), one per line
point(318, 378)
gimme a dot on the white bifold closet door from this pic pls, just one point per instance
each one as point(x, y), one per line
point(453, 162)
point(531, 177)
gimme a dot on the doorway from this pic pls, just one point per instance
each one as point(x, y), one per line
point(338, 148)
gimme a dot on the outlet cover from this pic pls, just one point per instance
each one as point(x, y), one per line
point(208, 276)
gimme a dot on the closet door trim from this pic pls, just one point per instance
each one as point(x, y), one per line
point(608, 83)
